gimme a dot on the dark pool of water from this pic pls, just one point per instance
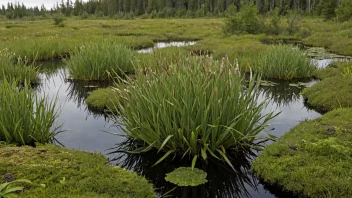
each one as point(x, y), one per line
point(85, 128)
point(86, 132)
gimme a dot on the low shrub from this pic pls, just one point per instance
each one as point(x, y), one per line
point(98, 61)
point(293, 22)
point(245, 21)
point(195, 106)
point(25, 117)
point(59, 20)
point(274, 26)
point(344, 11)
point(284, 62)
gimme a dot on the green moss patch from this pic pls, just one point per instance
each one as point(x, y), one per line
point(334, 91)
point(314, 159)
point(334, 69)
point(59, 172)
point(331, 93)
point(102, 99)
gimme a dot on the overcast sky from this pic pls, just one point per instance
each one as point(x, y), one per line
point(31, 3)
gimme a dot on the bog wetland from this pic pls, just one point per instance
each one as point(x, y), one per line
point(259, 112)
point(87, 130)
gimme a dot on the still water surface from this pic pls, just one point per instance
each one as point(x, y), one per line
point(85, 131)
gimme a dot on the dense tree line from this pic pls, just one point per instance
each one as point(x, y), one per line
point(171, 8)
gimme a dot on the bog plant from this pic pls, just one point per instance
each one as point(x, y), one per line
point(97, 61)
point(344, 11)
point(25, 117)
point(59, 20)
point(17, 68)
point(284, 62)
point(8, 189)
point(245, 21)
point(194, 107)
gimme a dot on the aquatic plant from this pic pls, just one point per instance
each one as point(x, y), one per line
point(25, 117)
point(15, 68)
point(284, 62)
point(97, 61)
point(194, 107)
point(222, 180)
point(8, 189)
point(186, 176)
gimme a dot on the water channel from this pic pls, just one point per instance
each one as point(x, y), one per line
point(86, 130)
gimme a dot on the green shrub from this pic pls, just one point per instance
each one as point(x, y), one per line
point(97, 61)
point(275, 22)
point(284, 62)
point(14, 68)
point(195, 106)
point(293, 22)
point(245, 21)
point(25, 117)
point(344, 11)
point(59, 20)
point(84, 15)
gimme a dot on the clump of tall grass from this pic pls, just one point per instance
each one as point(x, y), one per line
point(25, 117)
point(98, 61)
point(194, 107)
point(284, 62)
point(16, 68)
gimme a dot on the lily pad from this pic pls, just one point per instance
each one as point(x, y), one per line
point(299, 84)
point(265, 83)
point(293, 85)
point(185, 176)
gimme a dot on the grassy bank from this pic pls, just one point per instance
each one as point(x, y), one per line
point(43, 40)
point(335, 89)
point(59, 172)
point(313, 159)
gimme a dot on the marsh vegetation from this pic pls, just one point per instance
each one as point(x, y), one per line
point(210, 105)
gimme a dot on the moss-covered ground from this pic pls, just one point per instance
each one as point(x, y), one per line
point(314, 159)
point(59, 172)
point(102, 99)
point(335, 89)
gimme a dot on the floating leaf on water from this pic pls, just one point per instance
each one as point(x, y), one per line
point(185, 176)
point(91, 86)
point(268, 83)
point(302, 84)
point(293, 85)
